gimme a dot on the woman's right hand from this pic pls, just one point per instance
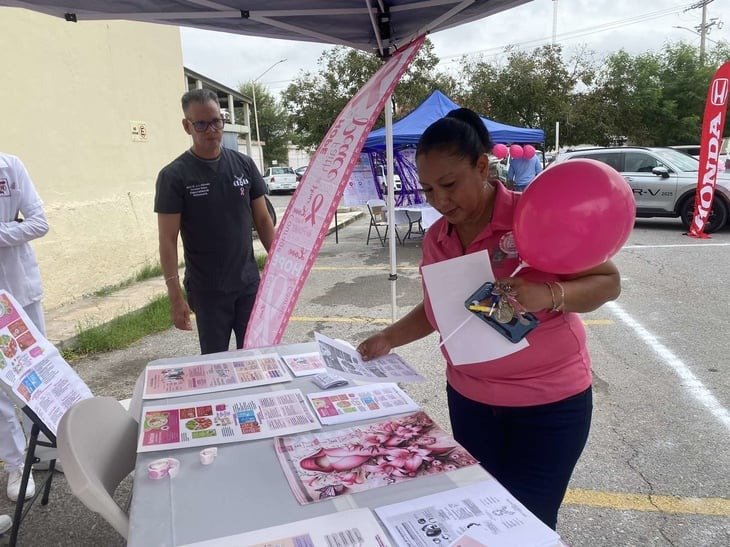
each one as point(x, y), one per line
point(375, 346)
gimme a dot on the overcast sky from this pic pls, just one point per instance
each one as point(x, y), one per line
point(604, 26)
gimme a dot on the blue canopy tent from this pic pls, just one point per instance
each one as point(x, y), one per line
point(408, 129)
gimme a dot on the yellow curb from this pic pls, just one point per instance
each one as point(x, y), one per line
point(643, 502)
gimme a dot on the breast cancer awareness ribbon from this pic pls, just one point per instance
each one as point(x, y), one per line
point(317, 203)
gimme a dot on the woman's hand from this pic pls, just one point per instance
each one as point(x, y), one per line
point(530, 295)
point(581, 292)
point(375, 346)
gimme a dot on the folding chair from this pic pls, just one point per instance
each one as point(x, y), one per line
point(378, 220)
point(413, 219)
point(97, 443)
point(43, 489)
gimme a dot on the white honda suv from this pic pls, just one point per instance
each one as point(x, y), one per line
point(664, 181)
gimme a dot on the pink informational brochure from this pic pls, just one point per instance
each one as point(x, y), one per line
point(174, 379)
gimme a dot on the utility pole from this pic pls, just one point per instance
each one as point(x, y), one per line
point(703, 32)
point(555, 21)
point(703, 28)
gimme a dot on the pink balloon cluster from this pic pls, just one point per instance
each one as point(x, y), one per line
point(528, 152)
point(515, 151)
point(573, 217)
point(499, 151)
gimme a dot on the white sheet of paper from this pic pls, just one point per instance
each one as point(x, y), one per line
point(486, 507)
point(342, 357)
point(354, 527)
point(449, 284)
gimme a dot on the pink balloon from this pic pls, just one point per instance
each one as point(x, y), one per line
point(573, 217)
point(529, 152)
point(516, 151)
point(499, 151)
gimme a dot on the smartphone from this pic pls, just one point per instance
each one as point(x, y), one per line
point(514, 331)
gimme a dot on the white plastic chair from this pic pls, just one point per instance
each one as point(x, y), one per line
point(97, 441)
point(135, 403)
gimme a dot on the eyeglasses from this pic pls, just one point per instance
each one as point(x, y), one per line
point(201, 126)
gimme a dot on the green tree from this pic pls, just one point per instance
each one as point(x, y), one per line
point(530, 88)
point(273, 124)
point(654, 98)
point(315, 99)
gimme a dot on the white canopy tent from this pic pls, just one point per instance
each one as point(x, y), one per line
point(376, 26)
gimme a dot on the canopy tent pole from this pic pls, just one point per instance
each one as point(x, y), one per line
point(393, 277)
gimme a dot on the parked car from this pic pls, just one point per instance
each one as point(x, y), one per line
point(664, 181)
point(694, 151)
point(691, 149)
point(299, 172)
point(280, 179)
point(383, 180)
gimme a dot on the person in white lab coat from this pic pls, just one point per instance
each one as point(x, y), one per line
point(21, 220)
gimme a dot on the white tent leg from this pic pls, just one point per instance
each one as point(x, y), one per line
point(391, 206)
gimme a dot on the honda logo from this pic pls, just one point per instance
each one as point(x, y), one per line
point(718, 95)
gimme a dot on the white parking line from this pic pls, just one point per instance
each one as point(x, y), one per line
point(675, 245)
point(689, 381)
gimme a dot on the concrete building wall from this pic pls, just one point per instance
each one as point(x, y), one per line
point(298, 157)
point(72, 96)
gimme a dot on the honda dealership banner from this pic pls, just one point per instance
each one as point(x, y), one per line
point(711, 142)
point(306, 221)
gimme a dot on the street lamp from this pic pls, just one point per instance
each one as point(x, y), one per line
point(696, 33)
point(255, 113)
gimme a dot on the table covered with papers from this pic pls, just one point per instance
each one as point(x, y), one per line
point(382, 474)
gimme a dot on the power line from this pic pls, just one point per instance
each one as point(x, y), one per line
point(611, 25)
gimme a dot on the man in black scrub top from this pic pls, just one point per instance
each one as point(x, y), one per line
point(210, 195)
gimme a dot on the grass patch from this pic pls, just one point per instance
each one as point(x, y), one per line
point(122, 331)
point(148, 271)
point(261, 261)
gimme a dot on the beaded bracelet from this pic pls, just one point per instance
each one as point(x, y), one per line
point(171, 277)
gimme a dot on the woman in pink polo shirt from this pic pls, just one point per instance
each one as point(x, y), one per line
point(525, 416)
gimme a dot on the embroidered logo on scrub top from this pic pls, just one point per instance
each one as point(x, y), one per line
point(4, 189)
point(241, 182)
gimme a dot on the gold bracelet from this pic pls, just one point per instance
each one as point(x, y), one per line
point(561, 307)
point(552, 294)
point(172, 277)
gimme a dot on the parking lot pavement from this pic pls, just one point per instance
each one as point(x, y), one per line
point(655, 468)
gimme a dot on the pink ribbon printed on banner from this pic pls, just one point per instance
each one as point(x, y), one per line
point(306, 221)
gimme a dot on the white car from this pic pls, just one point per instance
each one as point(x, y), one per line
point(281, 179)
point(663, 180)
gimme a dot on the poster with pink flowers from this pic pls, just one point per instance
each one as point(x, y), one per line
point(328, 464)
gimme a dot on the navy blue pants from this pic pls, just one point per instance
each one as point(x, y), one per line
point(217, 314)
point(531, 451)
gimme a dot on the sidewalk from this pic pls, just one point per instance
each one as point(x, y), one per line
point(63, 323)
